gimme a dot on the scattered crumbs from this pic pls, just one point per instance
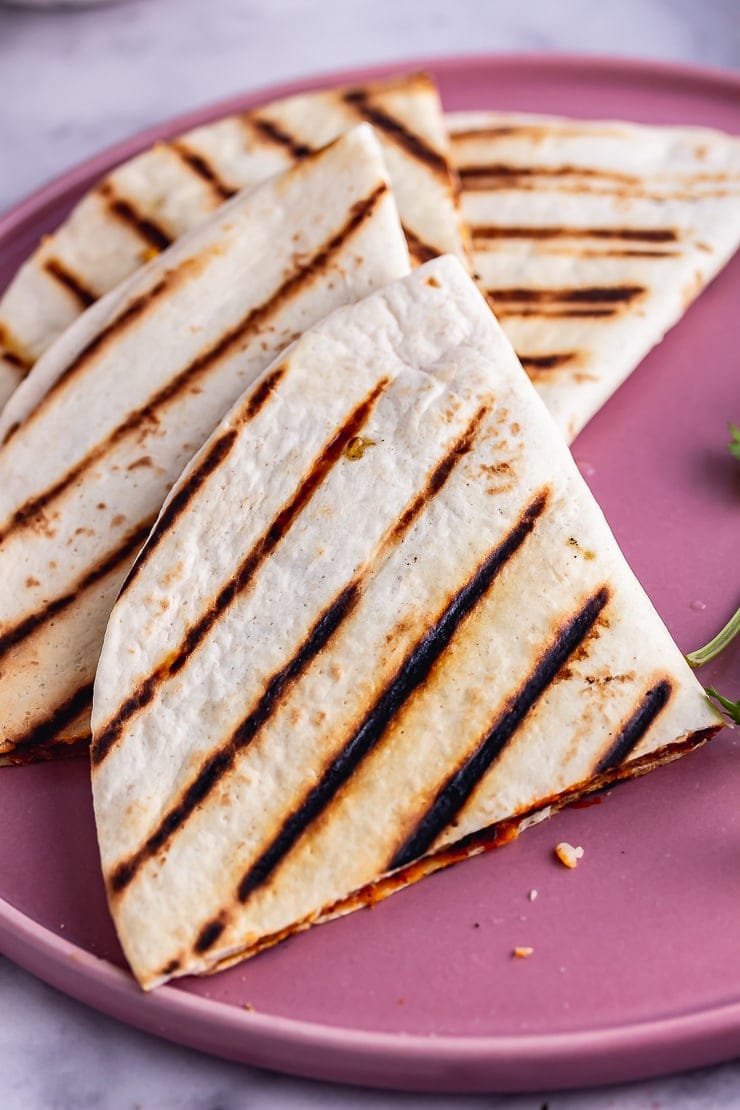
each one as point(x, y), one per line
point(567, 854)
point(522, 951)
point(357, 446)
point(476, 924)
point(248, 1006)
point(61, 926)
point(532, 895)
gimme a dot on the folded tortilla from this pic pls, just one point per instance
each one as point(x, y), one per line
point(95, 436)
point(147, 203)
point(373, 626)
point(590, 239)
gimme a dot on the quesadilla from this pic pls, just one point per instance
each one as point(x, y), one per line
point(385, 634)
point(147, 203)
point(590, 239)
point(101, 428)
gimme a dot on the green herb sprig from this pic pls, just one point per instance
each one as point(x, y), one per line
point(734, 444)
point(710, 651)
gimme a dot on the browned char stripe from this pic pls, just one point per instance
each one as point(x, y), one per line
point(11, 637)
point(584, 294)
point(221, 762)
point(634, 728)
point(44, 733)
point(419, 250)
point(458, 787)
point(10, 352)
point(548, 362)
point(242, 576)
point(627, 234)
point(587, 300)
point(70, 281)
point(216, 454)
point(209, 934)
point(275, 133)
point(412, 674)
point(361, 101)
point(489, 175)
point(111, 331)
point(201, 365)
point(143, 226)
point(199, 164)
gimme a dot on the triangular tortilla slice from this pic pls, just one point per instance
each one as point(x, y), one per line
point(385, 630)
point(101, 428)
point(590, 239)
point(145, 204)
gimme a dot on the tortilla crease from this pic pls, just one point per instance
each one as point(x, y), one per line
point(98, 432)
point(385, 631)
point(590, 239)
point(147, 203)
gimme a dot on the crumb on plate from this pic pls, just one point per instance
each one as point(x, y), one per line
point(567, 854)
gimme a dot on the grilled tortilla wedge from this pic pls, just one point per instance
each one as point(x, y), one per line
point(590, 239)
point(99, 431)
point(147, 203)
point(383, 629)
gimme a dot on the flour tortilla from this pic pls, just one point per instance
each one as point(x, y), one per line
point(591, 239)
point(98, 432)
point(150, 201)
point(384, 629)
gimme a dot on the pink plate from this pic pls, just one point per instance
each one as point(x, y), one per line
point(636, 964)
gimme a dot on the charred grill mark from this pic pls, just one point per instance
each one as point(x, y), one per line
point(209, 934)
point(559, 313)
point(241, 578)
point(201, 365)
point(126, 212)
point(112, 330)
point(276, 134)
point(25, 628)
point(217, 453)
point(632, 731)
point(528, 130)
point(454, 793)
point(420, 251)
point(547, 362)
point(394, 129)
point(200, 166)
point(626, 234)
point(487, 176)
point(264, 389)
point(171, 967)
point(11, 353)
point(586, 294)
point(410, 676)
point(70, 281)
point(44, 733)
point(629, 254)
point(16, 360)
point(222, 761)
point(440, 474)
point(577, 301)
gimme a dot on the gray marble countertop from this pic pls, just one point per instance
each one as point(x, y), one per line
point(74, 81)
